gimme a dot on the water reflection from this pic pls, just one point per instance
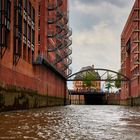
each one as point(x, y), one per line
point(72, 123)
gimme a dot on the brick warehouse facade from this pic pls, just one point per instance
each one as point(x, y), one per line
point(130, 57)
point(34, 51)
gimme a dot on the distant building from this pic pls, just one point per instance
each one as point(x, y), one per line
point(130, 55)
point(95, 85)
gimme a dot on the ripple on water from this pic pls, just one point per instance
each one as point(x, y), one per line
point(72, 123)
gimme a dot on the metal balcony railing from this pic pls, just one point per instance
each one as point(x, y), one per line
point(69, 71)
point(63, 55)
point(70, 32)
point(52, 6)
point(59, 3)
point(61, 35)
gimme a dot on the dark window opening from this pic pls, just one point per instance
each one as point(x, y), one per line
point(38, 39)
point(19, 25)
point(17, 30)
point(25, 5)
point(39, 9)
point(29, 33)
point(0, 5)
point(24, 52)
point(128, 46)
point(33, 37)
point(25, 28)
point(39, 24)
point(7, 9)
point(29, 55)
point(32, 56)
point(19, 47)
point(4, 25)
point(0, 23)
point(29, 9)
point(33, 14)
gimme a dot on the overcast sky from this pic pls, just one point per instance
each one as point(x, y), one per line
point(97, 26)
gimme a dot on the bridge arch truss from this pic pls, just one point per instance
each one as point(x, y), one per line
point(103, 75)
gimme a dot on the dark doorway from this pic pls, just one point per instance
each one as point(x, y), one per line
point(97, 99)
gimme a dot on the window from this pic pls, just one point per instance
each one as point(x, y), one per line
point(7, 8)
point(29, 33)
point(39, 9)
point(38, 39)
point(25, 28)
point(25, 5)
point(32, 56)
point(29, 55)
point(0, 5)
point(33, 37)
point(39, 24)
point(7, 13)
point(128, 46)
point(0, 13)
point(29, 9)
point(33, 14)
point(24, 52)
point(19, 24)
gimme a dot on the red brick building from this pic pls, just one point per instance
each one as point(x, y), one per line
point(34, 45)
point(130, 55)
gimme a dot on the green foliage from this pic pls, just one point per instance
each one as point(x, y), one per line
point(118, 81)
point(109, 84)
point(88, 79)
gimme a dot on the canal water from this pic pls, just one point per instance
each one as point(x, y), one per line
point(74, 122)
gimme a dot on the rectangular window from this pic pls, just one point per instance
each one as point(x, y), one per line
point(19, 46)
point(29, 9)
point(25, 28)
point(39, 24)
point(33, 37)
point(32, 56)
point(7, 14)
point(29, 55)
point(0, 5)
point(6, 6)
point(38, 39)
point(19, 24)
point(39, 9)
point(24, 52)
point(25, 5)
point(128, 46)
point(9, 9)
point(0, 13)
point(29, 33)
point(33, 14)
point(0, 22)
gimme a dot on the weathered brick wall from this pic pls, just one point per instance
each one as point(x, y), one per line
point(47, 84)
point(13, 98)
point(113, 99)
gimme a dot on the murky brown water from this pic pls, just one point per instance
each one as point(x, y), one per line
point(72, 123)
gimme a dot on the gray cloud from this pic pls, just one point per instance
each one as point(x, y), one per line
point(119, 3)
point(97, 25)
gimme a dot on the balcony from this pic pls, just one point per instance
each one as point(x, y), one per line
point(136, 30)
point(52, 6)
point(136, 41)
point(136, 62)
point(51, 34)
point(136, 9)
point(136, 19)
point(136, 52)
